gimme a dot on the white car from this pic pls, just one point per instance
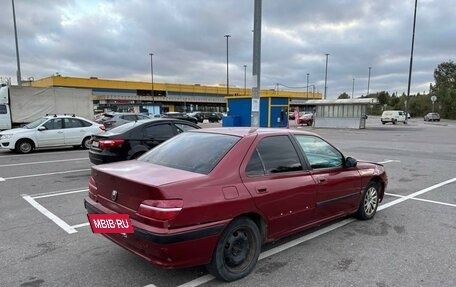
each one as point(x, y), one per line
point(50, 131)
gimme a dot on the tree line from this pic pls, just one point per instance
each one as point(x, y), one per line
point(444, 89)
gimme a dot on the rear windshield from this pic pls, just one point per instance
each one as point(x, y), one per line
point(190, 151)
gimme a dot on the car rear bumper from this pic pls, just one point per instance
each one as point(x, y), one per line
point(168, 249)
point(100, 158)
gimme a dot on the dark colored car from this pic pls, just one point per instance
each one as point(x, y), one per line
point(431, 117)
point(180, 116)
point(212, 117)
point(112, 120)
point(132, 139)
point(214, 196)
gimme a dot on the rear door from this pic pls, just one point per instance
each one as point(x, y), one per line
point(155, 134)
point(282, 187)
point(74, 130)
point(339, 188)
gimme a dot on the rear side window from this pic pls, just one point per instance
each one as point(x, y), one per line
point(75, 123)
point(274, 154)
point(195, 152)
point(159, 131)
point(2, 109)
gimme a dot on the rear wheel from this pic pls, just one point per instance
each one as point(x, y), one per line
point(368, 205)
point(24, 146)
point(237, 250)
point(86, 143)
point(383, 122)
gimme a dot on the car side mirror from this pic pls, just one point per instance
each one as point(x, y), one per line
point(42, 128)
point(350, 162)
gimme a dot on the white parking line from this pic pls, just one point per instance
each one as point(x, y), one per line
point(422, 199)
point(81, 225)
point(48, 161)
point(37, 154)
point(43, 174)
point(388, 161)
point(206, 278)
point(49, 214)
point(59, 193)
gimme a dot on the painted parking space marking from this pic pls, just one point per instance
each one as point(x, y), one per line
point(37, 154)
point(389, 161)
point(422, 199)
point(54, 218)
point(44, 174)
point(206, 278)
point(62, 224)
point(43, 162)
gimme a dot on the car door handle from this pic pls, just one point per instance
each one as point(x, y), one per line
point(321, 180)
point(261, 189)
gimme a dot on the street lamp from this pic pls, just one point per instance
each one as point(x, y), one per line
point(326, 75)
point(245, 80)
point(307, 86)
point(227, 72)
point(152, 75)
point(19, 77)
point(368, 81)
point(353, 88)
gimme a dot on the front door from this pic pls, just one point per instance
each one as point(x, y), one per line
point(52, 135)
point(283, 190)
point(339, 188)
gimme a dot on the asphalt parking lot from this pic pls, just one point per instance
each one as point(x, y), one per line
point(46, 240)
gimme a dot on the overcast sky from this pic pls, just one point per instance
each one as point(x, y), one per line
point(113, 39)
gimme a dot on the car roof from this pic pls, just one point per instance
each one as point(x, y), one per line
point(247, 131)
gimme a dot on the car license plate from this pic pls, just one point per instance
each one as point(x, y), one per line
point(95, 144)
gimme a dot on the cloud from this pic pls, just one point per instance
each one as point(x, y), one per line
point(113, 39)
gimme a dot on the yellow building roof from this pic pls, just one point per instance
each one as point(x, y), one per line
point(96, 83)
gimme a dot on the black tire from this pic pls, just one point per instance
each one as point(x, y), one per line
point(136, 155)
point(394, 122)
point(24, 146)
point(237, 250)
point(86, 143)
point(383, 122)
point(369, 203)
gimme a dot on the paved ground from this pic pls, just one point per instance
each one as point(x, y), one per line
point(45, 240)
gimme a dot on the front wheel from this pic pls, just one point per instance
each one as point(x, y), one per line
point(369, 203)
point(24, 146)
point(237, 250)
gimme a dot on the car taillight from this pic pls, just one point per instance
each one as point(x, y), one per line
point(166, 209)
point(108, 144)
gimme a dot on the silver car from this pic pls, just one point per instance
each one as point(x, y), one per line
point(431, 117)
point(112, 120)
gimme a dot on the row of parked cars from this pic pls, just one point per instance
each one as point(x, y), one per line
point(128, 134)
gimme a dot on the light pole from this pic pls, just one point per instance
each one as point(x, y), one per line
point(152, 76)
point(307, 86)
point(326, 76)
point(227, 72)
point(19, 77)
point(368, 81)
point(245, 80)
point(411, 60)
point(353, 88)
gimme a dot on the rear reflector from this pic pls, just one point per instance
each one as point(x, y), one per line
point(108, 144)
point(161, 209)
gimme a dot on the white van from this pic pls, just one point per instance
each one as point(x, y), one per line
point(393, 117)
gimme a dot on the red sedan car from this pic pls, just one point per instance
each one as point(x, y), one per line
point(306, 119)
point(214, 196)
